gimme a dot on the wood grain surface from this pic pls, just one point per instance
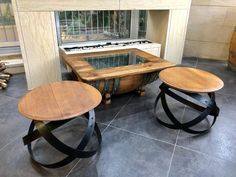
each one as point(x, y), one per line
point(59, 101)
point(191, 80)
point(86, 72)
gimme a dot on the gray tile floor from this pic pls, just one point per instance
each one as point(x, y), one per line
point(134, 144)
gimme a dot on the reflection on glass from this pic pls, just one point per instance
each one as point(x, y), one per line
point(112, 61)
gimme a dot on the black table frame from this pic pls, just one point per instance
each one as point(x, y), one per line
point(206, 107)
point(45, 131)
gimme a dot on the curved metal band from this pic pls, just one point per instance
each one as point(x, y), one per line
point(60, 146)
point(116, 84)
point(97, 84)
point(106, 86)
point(210, 109)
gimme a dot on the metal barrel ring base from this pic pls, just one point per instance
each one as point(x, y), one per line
point(206, 107)
point(45, 131)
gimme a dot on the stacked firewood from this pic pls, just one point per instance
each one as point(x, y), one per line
point(4, 77)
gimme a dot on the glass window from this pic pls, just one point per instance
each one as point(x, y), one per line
point(93, 25)
point(8, 31)
point(142, 24)
point(98, 25)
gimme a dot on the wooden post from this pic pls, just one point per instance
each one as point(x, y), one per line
point(141, 91)
point(107, 98)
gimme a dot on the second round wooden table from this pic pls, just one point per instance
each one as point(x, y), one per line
point(190, 82)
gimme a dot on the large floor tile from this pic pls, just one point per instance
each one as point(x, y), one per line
point(139, 104)
point(134, 144)
point(192, 164)
point(17, 86)
point(4, 99)
point(11, 122)
point(227, 105)
point(220, 69)
point(15, 161)
point(139, 117)
point(189, 61)
point(221, 140)
point(106, 113)
point(211, 62)
point(125, 154)
point(152, 89)
point(145, 124)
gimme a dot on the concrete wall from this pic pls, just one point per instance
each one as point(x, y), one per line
point(210, 27)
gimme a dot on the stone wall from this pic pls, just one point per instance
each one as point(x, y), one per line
point(210, 27)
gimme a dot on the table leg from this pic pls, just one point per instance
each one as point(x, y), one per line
point(209, 108)
point(44, 130)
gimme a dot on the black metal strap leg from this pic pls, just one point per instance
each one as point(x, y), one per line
point(44, 130)
point(209, 108)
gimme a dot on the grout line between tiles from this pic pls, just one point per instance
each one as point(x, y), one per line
point(101, 132)
point(20, 135)
point(118, 113)
point(203, 153)
point(17, 98)
point(121, 129)
point(196, 151)
point(102, 123)
point(171, 159)
point(172, 156)
point(5, 95)
point(73, 168)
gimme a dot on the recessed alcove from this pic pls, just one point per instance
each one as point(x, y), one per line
point(36, 24)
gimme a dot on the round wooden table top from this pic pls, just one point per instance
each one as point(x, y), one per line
point(59, 101)
point(191, 80)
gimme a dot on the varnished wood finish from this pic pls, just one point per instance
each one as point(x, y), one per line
point(87, 73)
point(59, 101)
point(56, 5)
point(191, 80)
point(131, 76)
point(232, 52)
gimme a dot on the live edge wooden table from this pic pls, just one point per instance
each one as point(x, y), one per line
point(58, 103)
point(193, 83)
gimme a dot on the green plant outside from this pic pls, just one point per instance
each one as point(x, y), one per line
point(6, 18)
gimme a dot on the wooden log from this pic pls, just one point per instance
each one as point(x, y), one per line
point(141, 91)
point(3, 80)
point(107, 98)
point(2, 66)
point(232, 52)
point(4, 76)
point(3, 85)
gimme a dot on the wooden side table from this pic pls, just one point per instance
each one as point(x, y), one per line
point(58, 103)
point(191, 82)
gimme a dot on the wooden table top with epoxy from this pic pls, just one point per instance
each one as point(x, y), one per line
point(87, 72)
point(191, 80)
point(59, 101)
